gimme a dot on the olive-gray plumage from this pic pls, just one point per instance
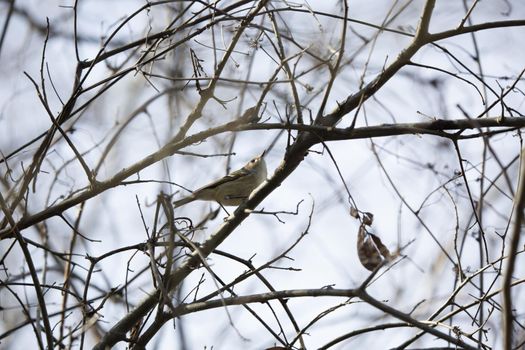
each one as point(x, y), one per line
point(233, 188)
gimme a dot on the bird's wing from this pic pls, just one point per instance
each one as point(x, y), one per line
point(230, 177)
point(198, 193)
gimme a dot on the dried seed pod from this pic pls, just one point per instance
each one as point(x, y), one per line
point(368, 218)
point(354, 212)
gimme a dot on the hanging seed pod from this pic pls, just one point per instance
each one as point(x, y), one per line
point(368, 218)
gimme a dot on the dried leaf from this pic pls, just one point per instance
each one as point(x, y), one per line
point(354, 213)
point(370, 250)
point(385, 253)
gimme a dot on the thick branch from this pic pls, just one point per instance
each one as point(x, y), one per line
point(519, 204)
point(322, 133)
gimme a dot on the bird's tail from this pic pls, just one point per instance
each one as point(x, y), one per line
point(183, 201)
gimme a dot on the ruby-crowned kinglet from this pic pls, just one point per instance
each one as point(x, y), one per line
point(233, 188)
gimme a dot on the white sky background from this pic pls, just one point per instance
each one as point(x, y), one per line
point(327, 255)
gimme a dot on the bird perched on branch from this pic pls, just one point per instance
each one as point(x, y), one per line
point(232, 189)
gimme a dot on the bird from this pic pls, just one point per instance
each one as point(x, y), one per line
point(232, 189)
